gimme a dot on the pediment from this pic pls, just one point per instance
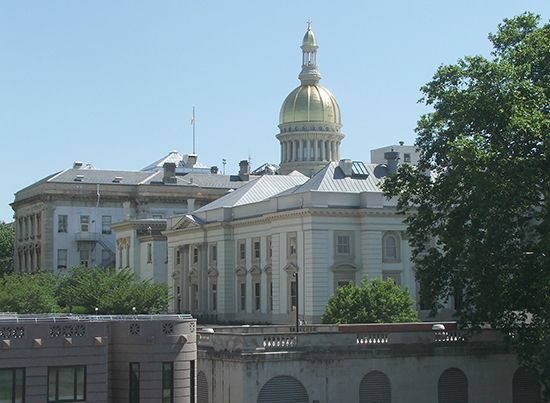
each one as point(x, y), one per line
point(255, 271)
point(187, 221)
point(240, 271)
point(344, 267)
point(291, 268)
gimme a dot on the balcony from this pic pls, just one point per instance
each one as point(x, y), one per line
point(87, 236)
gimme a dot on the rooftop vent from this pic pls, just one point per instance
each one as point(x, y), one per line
point(117, 179)
point(79, 178)
point(77, 164)
point(345, 166)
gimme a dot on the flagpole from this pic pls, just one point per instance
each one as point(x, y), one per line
point(193, 130)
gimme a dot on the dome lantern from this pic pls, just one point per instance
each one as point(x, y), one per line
point(309, 121)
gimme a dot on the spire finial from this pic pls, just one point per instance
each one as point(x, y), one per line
point(309, 24)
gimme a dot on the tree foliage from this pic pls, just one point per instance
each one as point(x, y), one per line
point(372, 302)
point(7, 242)
point(82, 291)
point(28, 293)
point(479, 223)
point(112, 291)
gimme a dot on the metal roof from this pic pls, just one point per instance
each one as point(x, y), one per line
point(257, 190)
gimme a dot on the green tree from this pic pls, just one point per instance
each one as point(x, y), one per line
point(111, 292)
point(7, 242)
point(479, 223)
point(374, 301)
point(28, 293)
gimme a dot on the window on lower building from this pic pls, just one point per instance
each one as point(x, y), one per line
point(242, 250)
point(243, 296)
point(195, 255)
point(214, 296)
point(149, 253)
point(214, 253)
point(292, 245)
point(85, 257)
point(392, 275)
point(407, 158)
point(106, 224)
point(293, 295)
point(84, 223)
point(178, 256)
point(134, 374)
point(62, 221)
point(61, 259)
point(167, 382)
point(195, 296)
point(256, 249)
point(343, 244)
point(67, 384)
point(257, 296)
point(12, 385)
point(390, 247)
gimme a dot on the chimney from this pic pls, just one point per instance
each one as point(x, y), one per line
point(345, 166)
point(77, 164)
point(169, 172)
point(401, 143)
point(214, 169)
point(244, 170)
point(191, 160)
point(392, 158)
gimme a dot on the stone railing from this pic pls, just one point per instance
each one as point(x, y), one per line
point(247, 341)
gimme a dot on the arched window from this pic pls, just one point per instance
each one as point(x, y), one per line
point(202, 388)
point(375, 387)
point(283, 389)
point(452, 387)
point(390, 247)
point(525, 386)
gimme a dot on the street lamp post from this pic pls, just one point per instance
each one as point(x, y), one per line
point(297, 303)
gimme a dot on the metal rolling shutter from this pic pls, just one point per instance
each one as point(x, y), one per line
point(375, 387)
point(452, 387)
point(283, 389)
point(202, 388)
point(525, 387)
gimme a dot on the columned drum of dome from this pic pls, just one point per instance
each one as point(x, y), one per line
point(310, 120)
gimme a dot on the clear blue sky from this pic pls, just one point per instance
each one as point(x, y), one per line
point(113, 83)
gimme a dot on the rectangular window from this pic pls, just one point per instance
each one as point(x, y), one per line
point(195, 255)
point(12, 385)
point(269, 248)
point(134, 382)
point(257, 296)
point(242, 250)
point(158, 216)
point(106, 224)
point(178, 257)
point(407, 158)
point(167, 382)
point(149, 253)
point(292, 245)
point(67, 384)
point(84, 223)
point(62, 221)
point(62, 258)
point(84, 257)
point(293, 295)
point(343, 245)
point(270, 295)
point(394, 276)
point(214, 288)
point(256, 249)
point(38, 224)
point(195, 296)
point(243, 296)
point(214, 253)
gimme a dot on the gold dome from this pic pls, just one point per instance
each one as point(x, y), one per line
point(310, 103)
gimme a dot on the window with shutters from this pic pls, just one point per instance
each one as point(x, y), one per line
point(375, 387)
point(452, 387)
point(283, 388)
point(525, 386)
point(202, 388)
